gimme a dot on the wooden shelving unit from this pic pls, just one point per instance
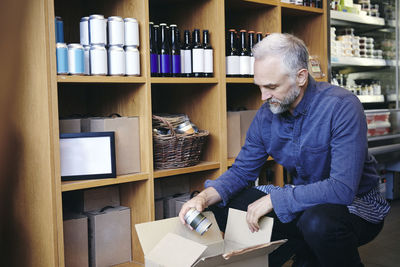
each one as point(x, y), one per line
point(205, 100)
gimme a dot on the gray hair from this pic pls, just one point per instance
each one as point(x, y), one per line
point(291, 49)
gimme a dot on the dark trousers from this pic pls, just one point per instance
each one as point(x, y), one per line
point(324, 235)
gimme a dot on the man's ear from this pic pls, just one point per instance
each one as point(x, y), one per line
point(302, 77)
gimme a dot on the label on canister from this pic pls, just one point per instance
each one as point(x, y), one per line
point(116, 60)
point(98, 60)
point(97, 30)
point(131, 32)
point(116, 31)
point(76, 59)
point(62, 58)
point(84, 30)
point(132, 61)
point(86, 49)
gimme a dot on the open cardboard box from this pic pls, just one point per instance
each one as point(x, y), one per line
point(168, 243)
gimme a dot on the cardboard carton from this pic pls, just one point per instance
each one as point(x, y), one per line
point(238, 124)
point(168, 243)
point(70, 125)
point(98, 198)
point(76, 249)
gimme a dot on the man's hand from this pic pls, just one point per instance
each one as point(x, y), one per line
point(256, 210)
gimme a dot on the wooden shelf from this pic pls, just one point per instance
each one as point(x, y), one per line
point(202, 166)
point(232, 160)
point(261, 2)
point(129, 264)
point(240, 80)
point(99, 79)
point(302, 9)
point(83, 184)
point(323, 79)
point(182, 80)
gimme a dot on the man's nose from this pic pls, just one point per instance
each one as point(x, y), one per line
point(265, 95)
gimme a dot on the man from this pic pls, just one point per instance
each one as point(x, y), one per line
point(318, 132)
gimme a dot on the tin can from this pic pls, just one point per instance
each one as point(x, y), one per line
point(59, 25)
point(131, 32)
point(197, 221)
point(62, 58)
point(84, 30)
point(76, 59)
point(86, 50)
point(132, 61)
point(97, 30)
point(116, 60)
point(116, 31)
point(185, 128)
point(98, 60)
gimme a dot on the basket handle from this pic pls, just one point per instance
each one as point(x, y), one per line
point(166, 122)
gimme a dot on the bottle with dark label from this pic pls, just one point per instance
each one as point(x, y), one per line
point(153, 51)
point(208, 55)
point(318, 3)
point(250, 48)
point(197, 55)
point(175, 51)
point(232, 55)
point(186, 55)
point(259, 37)
point(244, 56)
point(165, 52)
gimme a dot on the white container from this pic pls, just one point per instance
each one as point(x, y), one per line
point(131, 32)
point(116, 60)
point(97, 30)
point(86, 49)
point(84, 30)
point(116, 31)
point(75, 59)
point(132, 60)
point(98, 60)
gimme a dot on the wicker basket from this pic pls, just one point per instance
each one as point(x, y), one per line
point(177, 150)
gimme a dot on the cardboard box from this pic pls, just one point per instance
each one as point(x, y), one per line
point(159, 209)
point(70, 125)
point(76, 249)
point(238, 124)
point(169, 243)
point(127, 142)
point(98, 198)
point(170, 204)
point(110, 237)
point(171, 186)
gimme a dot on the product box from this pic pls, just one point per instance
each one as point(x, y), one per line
point(171, 186)
point(172, 205)
point(98, 198)
point(159, 209)
point(76, 249)
point(168, 243)
point(70, 125)
point(238, 124)
point(127, 142)
point(110, 236)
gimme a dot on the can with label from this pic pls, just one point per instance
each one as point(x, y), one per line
point(116, 31)
point(97, 30)
point(116, 60)
point(62, 58)
point(98, 60)
point(131, 32)
point(76, 59)
point(197, 221)
point(86, 49)
point(59, 25)
point(84, 30)
point(132, 61)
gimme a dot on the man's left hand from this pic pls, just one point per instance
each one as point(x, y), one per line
point(256, 210)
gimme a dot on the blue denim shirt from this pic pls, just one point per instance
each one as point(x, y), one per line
point(323, 145)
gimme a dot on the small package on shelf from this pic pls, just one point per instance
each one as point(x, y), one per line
point(97, 198)
point(76, 248)
point(315, 65)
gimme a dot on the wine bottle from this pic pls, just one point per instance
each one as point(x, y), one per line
point(197, 55)
point(232, 55)
point(244, 56)
point(208, 55)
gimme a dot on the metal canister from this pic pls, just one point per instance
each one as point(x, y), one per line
point(131, 32)
point(62, 58)
point(116, 60)
point(132, 61)
point(184, 128)
point(86, 49)
point(98, 60)
point(197, 221)
point(59, 25)
point(76, 59)
point(116, 31)
point(84, 30)
point(97, 30)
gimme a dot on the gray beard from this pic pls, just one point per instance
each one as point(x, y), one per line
point(284, 105)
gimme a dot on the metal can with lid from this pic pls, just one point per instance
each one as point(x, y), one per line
point(116, 60)
point(116, 31)
point(185, 128)
point(59, 25)
point(98, 60)
point(97, 30)
point(86, 52)
point(76, 59)
point(131, 32)
point(197, 221)
point(62, 58)
point(132, 61)
point(84, 30)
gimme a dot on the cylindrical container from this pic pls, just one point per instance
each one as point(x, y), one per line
point(132, 61)
point(97, 30)
point(62, 58)
point(116, 60)
point(86, 50)
point(131, 32)
point(59, 25)
point(116, 31)
point(84, 30)
point(197, 221)
point(76, 61)
point(98, 60)
point(185, 128)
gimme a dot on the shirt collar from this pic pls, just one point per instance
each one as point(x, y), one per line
point(302, 107)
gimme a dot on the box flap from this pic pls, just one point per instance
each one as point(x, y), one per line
point(238, 231)
point(182, 253)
